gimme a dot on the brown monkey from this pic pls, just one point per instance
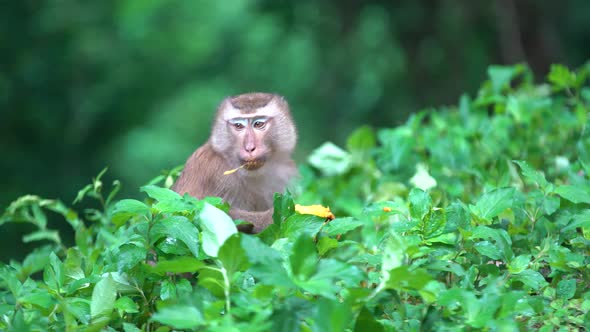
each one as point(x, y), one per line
point(255, 134)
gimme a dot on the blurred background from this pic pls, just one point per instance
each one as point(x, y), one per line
point(133, 84)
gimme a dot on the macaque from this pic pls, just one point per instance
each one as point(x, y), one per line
point(247, 158)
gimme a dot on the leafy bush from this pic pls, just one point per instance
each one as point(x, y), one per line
point(467, 217)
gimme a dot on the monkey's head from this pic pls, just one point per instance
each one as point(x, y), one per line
point(252, 129)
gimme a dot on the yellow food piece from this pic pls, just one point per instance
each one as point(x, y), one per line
point(387, 209)
point(316, 210)
point(231, 171)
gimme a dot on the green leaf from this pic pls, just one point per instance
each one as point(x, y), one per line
point(532, 175)
point(365, 321)
point(159, 193)
point(519, 264)
point(561, 77)
point(128, 327)
point(532, 279)
point(299, 224)
point(551, 204)
point(129, 256)
point(180, 317)
point(331, 316)
point(54, 273)
point(434, 224)
point(502, 242)
point(126, 209)
point(486, 248)
point(328, 271)
point(580, 220)
point(217, 227)
point(232, 255)
point(103, 297)
point(303, 258)
point(420, 203)
point(403, 279)
point(341, 226)
point(492, 203)
point(326, 244)
point(177, 227)
point(125, 304)
point(330, 159)
point(500, 76)
point(39, 298)
point(177, 265)
point(394, 253)
point(267, 263)
point(167, 290)
point(575, 194)
point(566, 289)
point(213, 280)
point(362, 140)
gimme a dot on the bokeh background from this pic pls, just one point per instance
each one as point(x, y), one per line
point(132, 84)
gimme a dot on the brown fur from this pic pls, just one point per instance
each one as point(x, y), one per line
point(250, 102)
point(249, 192)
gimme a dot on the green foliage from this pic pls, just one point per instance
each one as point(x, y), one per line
point(469, 217)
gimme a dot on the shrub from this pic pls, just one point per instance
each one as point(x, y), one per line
point(466, 217)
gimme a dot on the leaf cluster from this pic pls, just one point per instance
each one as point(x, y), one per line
point(471, 217)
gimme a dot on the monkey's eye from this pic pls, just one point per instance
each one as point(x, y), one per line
point(258, 124)
point(238, 123)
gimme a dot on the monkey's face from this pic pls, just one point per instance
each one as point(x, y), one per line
point(251, 137)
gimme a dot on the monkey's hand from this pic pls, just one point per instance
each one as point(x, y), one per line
point(258, 220)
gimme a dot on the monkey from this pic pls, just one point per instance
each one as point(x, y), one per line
point(253, 135)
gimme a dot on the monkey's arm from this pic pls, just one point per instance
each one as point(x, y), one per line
point(259, 219)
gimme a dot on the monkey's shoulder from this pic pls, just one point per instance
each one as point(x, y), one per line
point(202, 173)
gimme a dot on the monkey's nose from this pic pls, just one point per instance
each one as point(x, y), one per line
point(249, 148)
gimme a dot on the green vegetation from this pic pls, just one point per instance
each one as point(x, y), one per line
point(470, 217)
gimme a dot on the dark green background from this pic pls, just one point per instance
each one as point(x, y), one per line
point(132, 84)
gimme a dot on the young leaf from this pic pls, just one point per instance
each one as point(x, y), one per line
point(365, 321)
point(126, 209)
point(217, 227)
point(125, 304)
point(180, 317)
point(575, 194)
point(267, 263)
point(532, 279)
point(500, 76)
point(403, 279)
point(331, 316)
point(303, 258)
point(532, 175)
point(361, 140)
point(178, 265)
point(232, 255)
point(566, 289)
point(519, 264)
point(299, 224)
point(420, 203)
point(422, 179)
point(54, 273)
point(103, 297)
point(341, 226)
point(330, 159)
point(159, 193)
point(180, 228)
point(492, 203)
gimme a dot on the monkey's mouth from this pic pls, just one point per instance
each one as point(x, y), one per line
point(253, 164)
